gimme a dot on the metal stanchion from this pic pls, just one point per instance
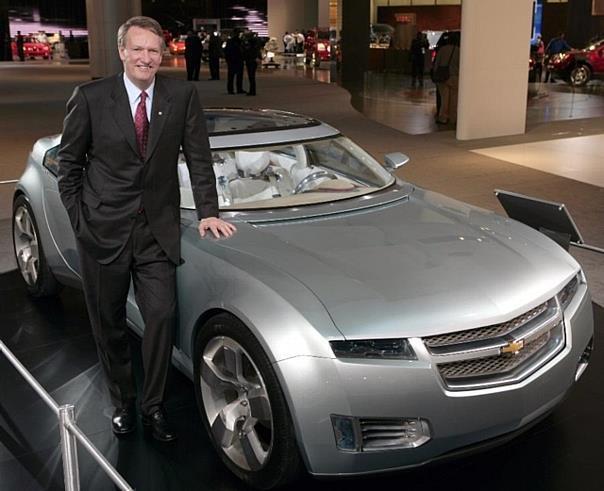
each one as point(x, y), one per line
point(69, 449)
point(70, 433)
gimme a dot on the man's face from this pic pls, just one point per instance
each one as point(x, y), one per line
point(141, 56)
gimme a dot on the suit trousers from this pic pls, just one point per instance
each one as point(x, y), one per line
point(106, 291)
point(448, 94)
point(251, 67)
point(235, 73)
point(193, 67)
point(214, 67)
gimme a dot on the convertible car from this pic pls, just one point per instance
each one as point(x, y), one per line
point(356, 323)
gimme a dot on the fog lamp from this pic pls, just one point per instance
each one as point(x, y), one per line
point(344, 431)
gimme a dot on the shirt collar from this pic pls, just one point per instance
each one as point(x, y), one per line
point(134, 92)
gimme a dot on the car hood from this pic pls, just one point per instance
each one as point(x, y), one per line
point(422, 265)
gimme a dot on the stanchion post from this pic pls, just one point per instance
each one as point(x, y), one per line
point(69, 448)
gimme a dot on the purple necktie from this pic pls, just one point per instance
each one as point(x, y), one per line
point(141, 125)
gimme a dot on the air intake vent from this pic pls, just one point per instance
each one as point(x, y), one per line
point(386, 434)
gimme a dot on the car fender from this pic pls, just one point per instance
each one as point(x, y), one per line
point(283, 314)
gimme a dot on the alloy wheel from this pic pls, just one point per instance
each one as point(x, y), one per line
point(26, 245)
point(579, 76)
point(236, 403)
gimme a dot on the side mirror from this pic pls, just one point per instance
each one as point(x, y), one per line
point(393, 161)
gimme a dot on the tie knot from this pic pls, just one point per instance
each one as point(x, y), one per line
point(143, 96)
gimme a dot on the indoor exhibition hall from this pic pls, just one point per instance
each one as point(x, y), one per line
point(301, 244)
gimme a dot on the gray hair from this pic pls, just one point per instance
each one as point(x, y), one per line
point(144, 23)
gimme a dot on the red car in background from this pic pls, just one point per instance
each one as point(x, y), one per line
point(317, 46)
point(579, 66)
point(177, 45)
point(32, 48)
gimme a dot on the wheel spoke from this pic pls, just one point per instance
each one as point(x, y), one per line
point(32, 269)
point(21, 259)
point(23, 224)
point(212, 375)
point(253, 452)
point(260, 406)
point(222, 435)
point(233, 363)
point(34, 250)
point(232, 413)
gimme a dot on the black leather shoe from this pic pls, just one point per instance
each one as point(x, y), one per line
point(157, 423)
point(123, 420)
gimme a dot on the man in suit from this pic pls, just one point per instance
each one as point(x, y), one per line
point(193, 51)
point(118, 181)
point(234, 59)
point(251, 54)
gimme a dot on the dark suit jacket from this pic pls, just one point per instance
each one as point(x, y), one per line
point(103, 181)
point(193, 47)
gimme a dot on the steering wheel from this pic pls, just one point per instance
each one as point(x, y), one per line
point(301, 187)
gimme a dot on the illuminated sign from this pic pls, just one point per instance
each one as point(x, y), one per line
point(405, 18)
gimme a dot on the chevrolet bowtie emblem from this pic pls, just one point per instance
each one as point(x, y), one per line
point(513, 347)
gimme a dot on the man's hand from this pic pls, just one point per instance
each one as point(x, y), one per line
point(217, 226)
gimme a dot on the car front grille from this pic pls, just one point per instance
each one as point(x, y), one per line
point(502, 353)
point(484, 332)
point(495, 365)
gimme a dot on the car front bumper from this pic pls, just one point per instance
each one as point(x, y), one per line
point(318, 388)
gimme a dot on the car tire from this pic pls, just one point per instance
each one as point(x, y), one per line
point(580, 75)
point(29, 253)
point(242, 406)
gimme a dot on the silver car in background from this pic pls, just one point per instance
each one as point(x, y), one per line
point(355, 323)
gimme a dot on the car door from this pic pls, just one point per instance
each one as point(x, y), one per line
point(56, 214)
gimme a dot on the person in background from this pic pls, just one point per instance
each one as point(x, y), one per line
point(234, 58)
point(419, 46)
point(193, 55)
point(287, 41)
point(299, 42)
point(448, 55)
point(251, 54)
point(20, 50)
point(214, 50)
point(555, 46)
point(538, 51)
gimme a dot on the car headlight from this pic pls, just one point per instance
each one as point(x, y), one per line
point(568, 292)
point(388, 349)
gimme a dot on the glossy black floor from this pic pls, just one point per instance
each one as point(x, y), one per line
point(52, 338)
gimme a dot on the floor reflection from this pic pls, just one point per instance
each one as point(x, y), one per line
point(391, 99)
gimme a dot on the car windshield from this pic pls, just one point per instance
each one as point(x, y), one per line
point(291, 174)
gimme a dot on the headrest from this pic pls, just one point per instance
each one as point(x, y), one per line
point(251, 163)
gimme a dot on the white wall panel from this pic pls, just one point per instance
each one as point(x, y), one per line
point(495, 43)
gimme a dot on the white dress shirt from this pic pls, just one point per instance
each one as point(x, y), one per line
point(134, 96)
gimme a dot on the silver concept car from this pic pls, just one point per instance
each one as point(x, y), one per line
point(355, 323)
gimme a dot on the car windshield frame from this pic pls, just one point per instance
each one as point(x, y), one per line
point(288, 174)
point(291, 121)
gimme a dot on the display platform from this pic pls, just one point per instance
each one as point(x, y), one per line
point(52, 339)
